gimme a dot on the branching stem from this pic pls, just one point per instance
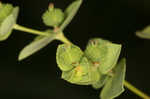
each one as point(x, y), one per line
point(29, 30)
point(60, 36)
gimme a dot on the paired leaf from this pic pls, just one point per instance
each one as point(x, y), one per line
point(35, 46)
point(70, 13)
point(145, 33)
point(8, 17)
point(114, 85)
point(104, 53)
point(68, 56)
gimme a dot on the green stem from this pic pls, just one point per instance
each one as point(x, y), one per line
point(29, 30)
point(135, 90)
point(60, 36)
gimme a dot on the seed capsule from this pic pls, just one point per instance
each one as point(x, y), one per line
point(53, 16)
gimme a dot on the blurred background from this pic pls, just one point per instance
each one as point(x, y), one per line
point(38, 76)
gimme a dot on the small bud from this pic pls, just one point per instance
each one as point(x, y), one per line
point(51, 6)
point(53, 16)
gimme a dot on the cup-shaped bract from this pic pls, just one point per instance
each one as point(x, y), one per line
point(68, 56)
point(76, 68)
point(53, 16)
point(8, 17)
point(80, 74)
point(104, 53)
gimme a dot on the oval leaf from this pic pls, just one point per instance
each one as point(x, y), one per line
point(70, 13)
point(114, 85)
point(35, 46)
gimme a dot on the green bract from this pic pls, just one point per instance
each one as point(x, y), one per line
point(53, 17)
point(8, 17)
point(79, 74)
point(90, 67)
point(115, 84)
point(68, 56)
point(101, 82)
point(104, 53)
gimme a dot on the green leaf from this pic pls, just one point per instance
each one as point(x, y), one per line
point(53, 17)
point(8, 17)
point(114, 85)
point(67, 56)
point(70, 13)
point(145, 33)
point(37, 44)
point(104, 53)
point(101, 82)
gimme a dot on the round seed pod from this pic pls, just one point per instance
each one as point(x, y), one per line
point(53, 16)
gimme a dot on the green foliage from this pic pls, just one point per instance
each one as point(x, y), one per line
point(70, 12)
point(84, 68)
point(89, 67)
point(145, 33)
point(38, 43)
point(114, 85)
point(8, 16)
point(53, 16)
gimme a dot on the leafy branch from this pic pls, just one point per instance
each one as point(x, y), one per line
point(97, 66)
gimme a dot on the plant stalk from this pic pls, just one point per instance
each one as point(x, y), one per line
point(136, 91)
point(126, 83)
point(60, 36)
point(29, 30)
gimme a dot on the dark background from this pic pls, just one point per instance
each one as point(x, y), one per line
point(38, 76)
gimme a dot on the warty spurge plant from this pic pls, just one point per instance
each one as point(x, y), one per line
point(97, 66)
